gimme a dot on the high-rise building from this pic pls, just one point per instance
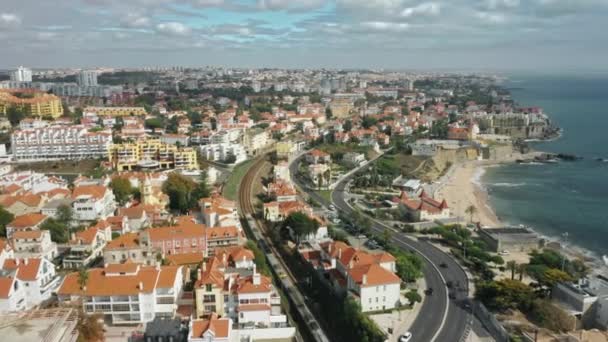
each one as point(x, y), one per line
point(22, 74)
point(87, 78)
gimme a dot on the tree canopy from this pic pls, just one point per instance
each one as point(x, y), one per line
point(180, 190)
point(301, 225)
point(5, 218)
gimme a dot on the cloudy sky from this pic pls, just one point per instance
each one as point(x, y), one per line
point(405, 34)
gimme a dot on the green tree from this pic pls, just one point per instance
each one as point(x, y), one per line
point(301, 225)
point(202, 188)
point(505, 294)
point(512, 265)
point(258, 258)
point(15, 115)
point(179, 189)
point(65, 214)
point(471, 210)
point(413, 296)
point(409, 266)
point(90, 328)
point(59, 231)
point(6, 217)
point(348, 125)
point(121, 187)
point(550, 316)
point(154, 123)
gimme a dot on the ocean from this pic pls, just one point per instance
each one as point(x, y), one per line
point(565, 197)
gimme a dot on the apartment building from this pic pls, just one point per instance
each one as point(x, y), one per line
point(219, 211)
point(34, 244)
point(25, 222)
point(59, 142)
point(114, 111)
point(186, 237)
point(127, 248)
point(26, 283)
point(241, 294)
point(224, 152)
point(33, 102)
point(87, 245)
point(127, 293)
point(151, 154)
point(93, 202)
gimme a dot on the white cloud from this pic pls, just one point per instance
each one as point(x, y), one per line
point(9, 21)
point(500, 4)
point(491, 18)
point(209, 3)
point(173, 28)
point(424, 9)
point(136, 21)
point(275, 5)
point(385, 26)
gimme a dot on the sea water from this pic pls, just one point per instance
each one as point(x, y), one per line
point(565, 197)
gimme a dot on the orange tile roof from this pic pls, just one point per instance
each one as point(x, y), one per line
point(177, 232)
point(28, 267)
point(99, 283)
point(219, 327)
point(127, 267)
point(133, 213)
point(235, 253)
point(246, 285)
point(128, 240)
point(6, 284)
point(87, 236)
point(375, 274)
point(221, 232)
point(185, 259)
point(27, 220)
point(96, 191)
point(27, 234)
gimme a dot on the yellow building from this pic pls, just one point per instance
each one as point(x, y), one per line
point(285, 149)
point(151, 154)
point(33, 102)
point(115, 111)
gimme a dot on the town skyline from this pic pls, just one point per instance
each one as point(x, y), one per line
point(391, 34)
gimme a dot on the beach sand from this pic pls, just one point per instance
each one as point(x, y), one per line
point(461, 189)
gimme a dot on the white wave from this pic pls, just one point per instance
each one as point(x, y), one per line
point(508, 185)
point(479, 172)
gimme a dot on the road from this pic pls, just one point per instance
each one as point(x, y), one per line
point(440, 318)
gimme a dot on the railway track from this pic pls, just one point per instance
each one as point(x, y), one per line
point(278, 265)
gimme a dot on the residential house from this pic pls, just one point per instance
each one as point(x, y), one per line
point(93, 202)
point(26, 222)
point(353, 159)
point(278, 211)
point(320, 175)
point(36, 275)
point(222, 237)
point(23, 204)
point(282, 191)
point(127, 293)
point(211, 329)
point(87, 245)
point(125, 248)
point(137, 217)
point(34, 244)
point(317, 156)
point(219, 212)
point(423, 208)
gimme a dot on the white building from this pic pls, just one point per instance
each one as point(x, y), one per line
point(87, 78)
point(59, 142)
point(22, 74)
point(34, 244)
point(221, 152)
point(87, 245)
point(354, 159)
point(127, 293)
point(26, 283)
point(93, 202)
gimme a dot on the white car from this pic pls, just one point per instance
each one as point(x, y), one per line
point(332, 207)
point(407, 337)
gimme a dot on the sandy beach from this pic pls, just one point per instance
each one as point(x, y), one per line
point(461, 187)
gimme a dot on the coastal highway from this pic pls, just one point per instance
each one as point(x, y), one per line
point(440, 318)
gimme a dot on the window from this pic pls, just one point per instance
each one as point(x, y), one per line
point(209, 299)
point(208, 287)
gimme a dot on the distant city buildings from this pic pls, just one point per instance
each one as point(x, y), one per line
point(32, 102)
point(87, 78)
point(22, 74)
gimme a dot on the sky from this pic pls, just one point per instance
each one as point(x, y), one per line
point(392, 34)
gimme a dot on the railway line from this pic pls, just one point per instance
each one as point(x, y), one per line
point(278, 266)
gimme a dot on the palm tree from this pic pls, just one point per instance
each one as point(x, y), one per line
point(471, 210)
point(83, 278)
point(521, 268)
point(512, 265)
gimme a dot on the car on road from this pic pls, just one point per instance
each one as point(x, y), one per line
point(407, 337)
point(332, 207)
point(451, 295)
point(372, 244)
point(443, 265)
point(428, 291)
point(449, 284)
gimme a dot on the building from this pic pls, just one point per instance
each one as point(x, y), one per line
point(23, 204)
point(354, 159)
point(87, 78)
point(211, 329)
point(59, 143)
point(34, 244)
point(151, 154)
point(114, 111)
point(515, 239)
point(93, 202)
point(241, 294)
point(585, 299)
point(427, 147)
point(127, 248)
point(32, 102)
point(87, 245)
point(35, 280)
point(22, 74)
point(281, 171)
point(25, 222)
point(320, 175)
point(411, 186)
point(219, 212)
point(278, 211)
point(183, 238)
point(423, 208)
point(233, 153)
point(317, 156)
point(370, 278)
point(127, 293)
point(255, 140)
point(282, 191)
point(166, 329)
